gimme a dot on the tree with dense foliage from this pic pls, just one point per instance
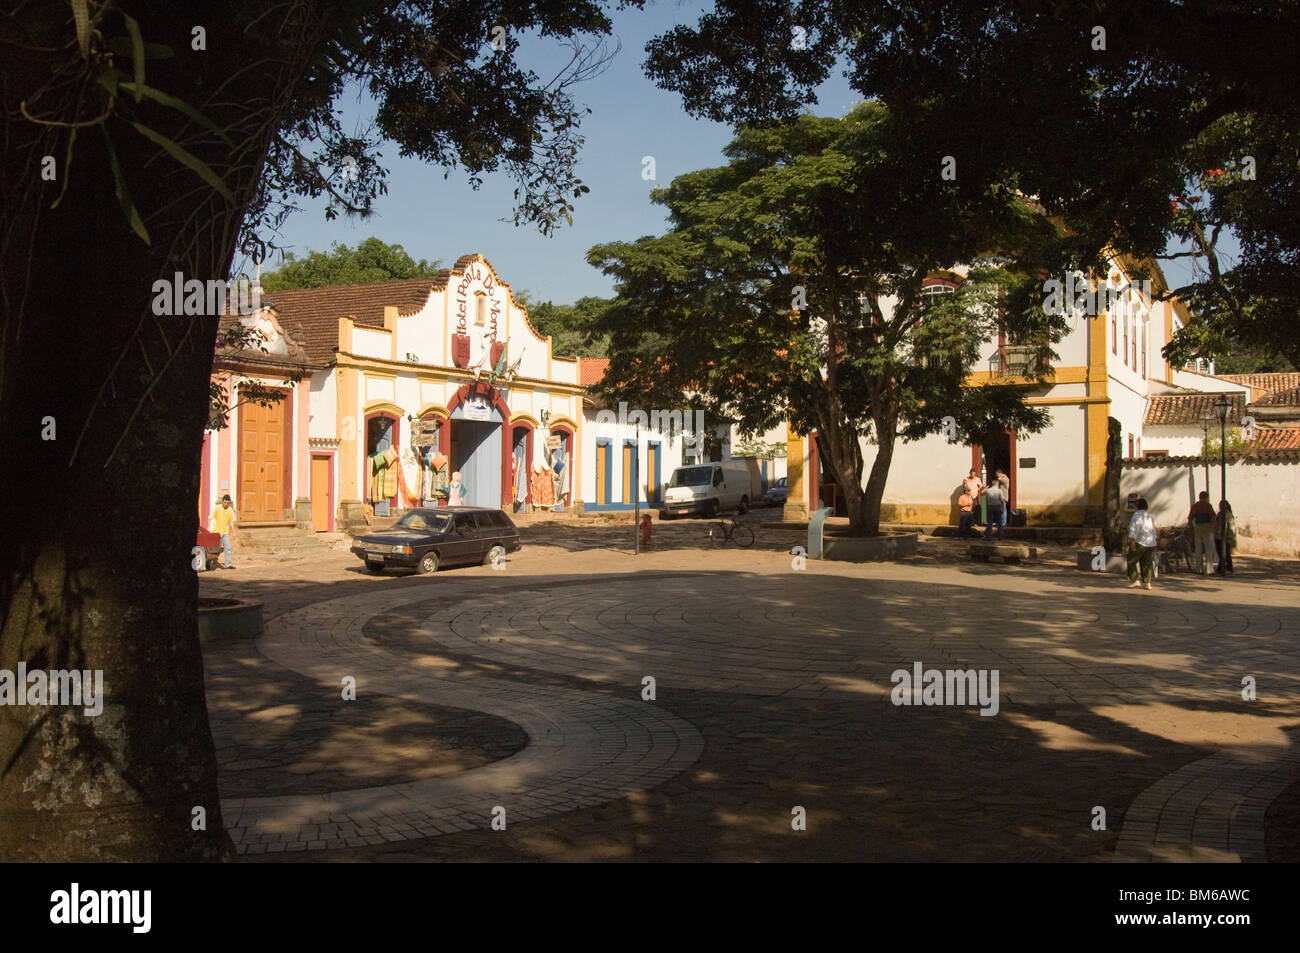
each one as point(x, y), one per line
point(1105, 111)
point(146, 140)
point(372, 260)
point(789, 287)
point(574, 328)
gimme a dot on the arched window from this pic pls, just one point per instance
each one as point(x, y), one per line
point(480, 308)
point(933, 292)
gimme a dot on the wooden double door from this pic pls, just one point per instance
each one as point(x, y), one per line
point(263, 488)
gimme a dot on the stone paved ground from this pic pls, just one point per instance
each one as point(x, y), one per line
point(522, 689)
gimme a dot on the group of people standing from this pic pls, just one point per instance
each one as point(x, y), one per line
point(997, 500)
point(1208, 528)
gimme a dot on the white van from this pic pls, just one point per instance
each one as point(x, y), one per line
point(707, 489)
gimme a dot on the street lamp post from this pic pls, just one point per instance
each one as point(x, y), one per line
point(1205, 449)
point(1221, 406)
point(636, 491)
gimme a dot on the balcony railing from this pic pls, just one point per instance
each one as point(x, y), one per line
point(1013, 361)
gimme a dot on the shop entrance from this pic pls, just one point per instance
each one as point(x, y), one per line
point(996, 453)
point(476, 453)
point(263, 461)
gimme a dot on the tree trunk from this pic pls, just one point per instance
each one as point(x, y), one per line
point(876, 480)
point(1114, 524)
point(95, 572)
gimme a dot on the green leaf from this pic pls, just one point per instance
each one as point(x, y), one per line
point(180, 105)
point(81, 15)
point(152, 51)
point(120, 190)
point(67, 164)
point(186, 158)
point(137, 52)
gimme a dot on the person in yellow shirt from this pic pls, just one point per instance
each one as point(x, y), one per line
point(223, 517)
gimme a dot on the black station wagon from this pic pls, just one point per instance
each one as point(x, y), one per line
point(425, 539)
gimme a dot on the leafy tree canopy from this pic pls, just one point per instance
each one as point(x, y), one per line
point(372, 260)
point(1104, 111)
point(574, 328)
point(789, 287)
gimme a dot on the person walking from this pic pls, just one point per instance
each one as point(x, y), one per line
point(995, 503)
point(1225, 538)
point(223, 518)
point(1143, 542)
point(1201, 516)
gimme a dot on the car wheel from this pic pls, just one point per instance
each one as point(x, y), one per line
point(712, 509)
point(744, 505)
point(428, 563)
point(375, 565)
point(493, 554)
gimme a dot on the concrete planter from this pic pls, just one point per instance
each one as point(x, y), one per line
point(864, 549)
point(229, 620)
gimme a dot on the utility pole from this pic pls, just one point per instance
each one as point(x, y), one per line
point(636, 493)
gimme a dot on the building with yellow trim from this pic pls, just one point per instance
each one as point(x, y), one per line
point(1109, 364)
point(398, 372)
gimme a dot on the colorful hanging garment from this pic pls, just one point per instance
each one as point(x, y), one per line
point(378, 466)
point(543, 490)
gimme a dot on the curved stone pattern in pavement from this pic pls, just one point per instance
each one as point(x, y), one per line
point(1211, 810)
point(583, 748)
point(729, 632)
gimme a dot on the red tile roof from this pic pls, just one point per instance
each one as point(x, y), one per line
point(1290, 397)
point(317, 310)
point(1261, 384)
point(1190, 409)
point(591, 370)
point(1280, 438)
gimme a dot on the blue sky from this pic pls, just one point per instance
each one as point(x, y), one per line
point(436, 218)
point(442, 219)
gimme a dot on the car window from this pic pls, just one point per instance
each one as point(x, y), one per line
point(424, 521)
point(495, 518)
point(717, 477)
point(690, 476)
point(465, 524)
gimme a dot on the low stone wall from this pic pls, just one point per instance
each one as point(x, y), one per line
point(1264, 490)
point(862, 549)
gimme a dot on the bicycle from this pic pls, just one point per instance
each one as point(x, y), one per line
point(1177, 549)
point(731, 531)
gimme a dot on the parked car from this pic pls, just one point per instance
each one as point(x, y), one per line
point(775, 495)
point(707, 489)
point(211, 546)
point(427, 538)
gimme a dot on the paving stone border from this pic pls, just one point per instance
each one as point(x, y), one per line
point(1210, 810)
point(583, 748)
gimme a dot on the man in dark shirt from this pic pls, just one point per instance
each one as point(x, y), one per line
point(1201, 516)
